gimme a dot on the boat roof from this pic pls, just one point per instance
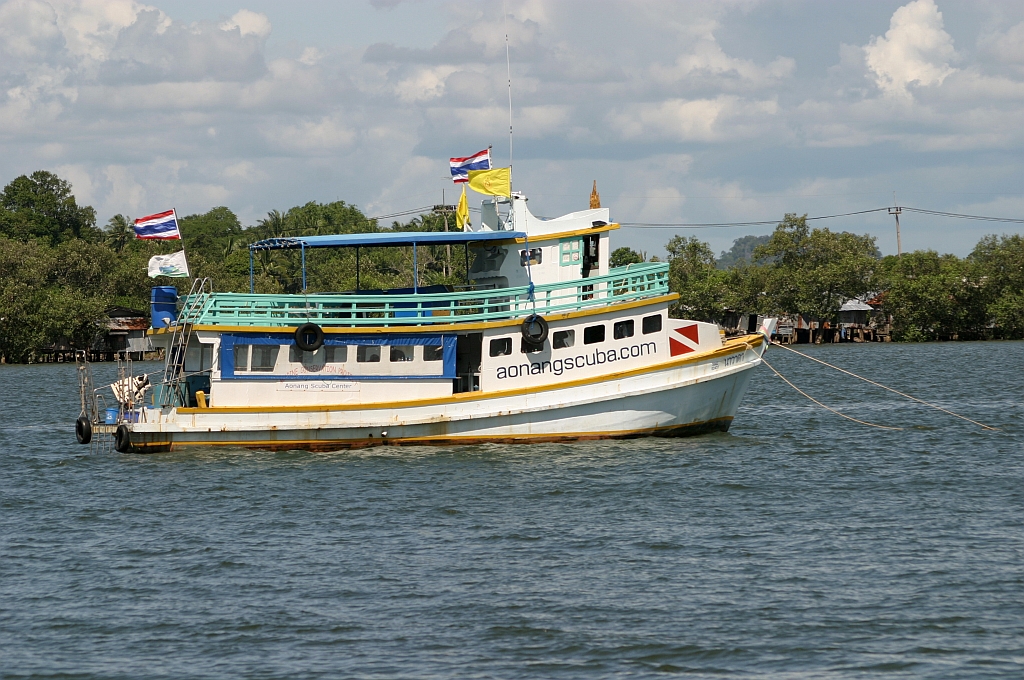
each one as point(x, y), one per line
point(386, 238)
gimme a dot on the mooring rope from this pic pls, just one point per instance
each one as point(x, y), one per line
point(884, 387)
point(827, 408)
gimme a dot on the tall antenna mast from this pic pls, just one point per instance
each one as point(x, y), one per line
point(508, 67)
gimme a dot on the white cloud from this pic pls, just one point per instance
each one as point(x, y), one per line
point(681, 120)
point(248, 23)
point(664, 103)
point(914, 51)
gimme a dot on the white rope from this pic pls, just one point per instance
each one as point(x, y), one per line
point(827, 408)
point(872, 382)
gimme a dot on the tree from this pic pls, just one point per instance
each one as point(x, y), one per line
point(621, 257)
point(813, 272)
point(742, 251)
point(692, 273)
point(933, 297)
point(1000, 269)
point(41, 206)
point(120, 232)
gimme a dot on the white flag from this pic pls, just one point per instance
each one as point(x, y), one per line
point(173, 265)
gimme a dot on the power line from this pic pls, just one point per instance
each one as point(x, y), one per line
point(760, 223)
point(980, 218)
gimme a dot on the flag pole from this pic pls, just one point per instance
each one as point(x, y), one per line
point(508, 68)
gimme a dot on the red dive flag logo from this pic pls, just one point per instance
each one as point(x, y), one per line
point(678, 347)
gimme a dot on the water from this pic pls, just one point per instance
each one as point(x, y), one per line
point(797, 545)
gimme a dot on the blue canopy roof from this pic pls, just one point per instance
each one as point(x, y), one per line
point(386, 238)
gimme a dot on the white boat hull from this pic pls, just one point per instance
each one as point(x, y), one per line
point(699, 396)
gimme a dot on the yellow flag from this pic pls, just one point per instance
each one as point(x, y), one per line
point(493, 182)
point(462, 211)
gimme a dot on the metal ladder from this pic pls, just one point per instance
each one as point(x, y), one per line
point(181, 329)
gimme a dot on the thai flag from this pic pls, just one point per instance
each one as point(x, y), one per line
point(162, 226)
point(462, 166)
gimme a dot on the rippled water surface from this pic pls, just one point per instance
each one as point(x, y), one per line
point(796, 545)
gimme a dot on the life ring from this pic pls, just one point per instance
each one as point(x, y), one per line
point(535, 329)
point(303, 333)
point(123, 439)
point(83, 430)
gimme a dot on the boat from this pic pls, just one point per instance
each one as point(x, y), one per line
point(546, 342)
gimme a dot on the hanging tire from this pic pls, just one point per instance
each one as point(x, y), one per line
point(309, 337)
point(83, 430)
point(123, 439)
point(535, 329)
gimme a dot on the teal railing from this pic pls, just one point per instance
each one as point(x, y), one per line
point(623, 284)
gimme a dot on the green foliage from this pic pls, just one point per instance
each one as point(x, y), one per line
point(621, 257)
point(813, 272)
point(119, 233)
point(933, 297)
point(49, 295)
point(693, 274)
point(41, 206)
point(742, 251)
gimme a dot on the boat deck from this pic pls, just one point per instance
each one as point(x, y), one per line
point(622, 284)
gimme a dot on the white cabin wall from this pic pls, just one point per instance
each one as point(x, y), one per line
point(493, 368)
point(307, 392)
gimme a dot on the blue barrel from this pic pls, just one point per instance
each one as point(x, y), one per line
point(110, 416)
point(163, 304)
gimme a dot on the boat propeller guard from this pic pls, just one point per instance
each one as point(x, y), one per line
point(309, 337)
point(535, 329)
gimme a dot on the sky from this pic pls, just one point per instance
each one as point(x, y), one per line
point(683, 112)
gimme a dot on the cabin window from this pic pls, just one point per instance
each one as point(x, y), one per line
point(241, 357)
point(264, 358)
point(593, 334)
point(623, 329)
point(368, 354)
point(563, 339)
point(433, 353)
point(569, 252)
point(531, 256)
point(296, 355)
point(311, 361)
point(652, 324)
point(529, 347)
point(402, 353)
point(198, 358)
point(501, 347)
point(336, 354)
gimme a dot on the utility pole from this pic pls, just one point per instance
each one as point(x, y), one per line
point(895, 212)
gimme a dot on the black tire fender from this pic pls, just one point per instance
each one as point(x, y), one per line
point(83, 430)
point(535, 329)
point(305, 333)
point(123, 439)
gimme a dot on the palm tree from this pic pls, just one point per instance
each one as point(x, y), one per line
point(120, 232)
point(273, 225)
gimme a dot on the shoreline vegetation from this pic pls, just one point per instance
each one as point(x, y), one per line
point(60, 272)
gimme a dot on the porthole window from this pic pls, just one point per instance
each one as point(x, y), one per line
point(501, 347)
point(593, 334)
point(368, 354)
point(652, 324)
point(623, 329)
point(563, 339)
